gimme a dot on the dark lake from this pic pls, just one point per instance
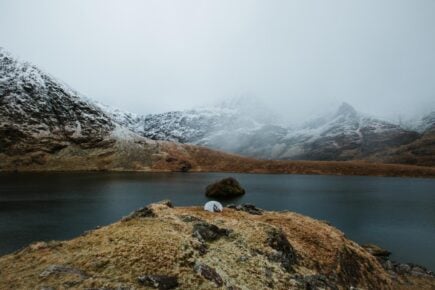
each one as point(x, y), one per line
point(395, 213)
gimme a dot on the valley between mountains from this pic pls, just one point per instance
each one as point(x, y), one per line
point(45, 125)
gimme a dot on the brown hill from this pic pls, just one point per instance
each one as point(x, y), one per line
point(163, 247)
point(419, 152)
point(140, 154)
point(235, 249)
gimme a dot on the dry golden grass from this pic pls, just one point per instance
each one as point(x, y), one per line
point(116, 255)
point(146, 155)
point(204, 159)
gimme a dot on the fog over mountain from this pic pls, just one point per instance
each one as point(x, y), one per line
point(298, 57)
point(43, 122)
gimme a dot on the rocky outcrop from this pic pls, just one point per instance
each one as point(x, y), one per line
point(249, 208)
point(208, 232)
point(190, 248)
point(402, 273)
point(225, 188)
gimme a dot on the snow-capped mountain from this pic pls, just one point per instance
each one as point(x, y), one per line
point(44, 125)
point(42, 118)
point(186, 127)
point(343, 135)
point(198, 126)
point(421, 151)
point(39, 113)
point(427, 123)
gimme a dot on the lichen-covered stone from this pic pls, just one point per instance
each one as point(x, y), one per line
point(208, 232)
point(286, 254)
point(249, 208)
point(209, 273)
point(140, 213)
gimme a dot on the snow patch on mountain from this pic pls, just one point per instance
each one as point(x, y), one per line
point(39, 106)
point(230, 128)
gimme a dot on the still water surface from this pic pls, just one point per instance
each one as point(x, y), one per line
point(395, 213)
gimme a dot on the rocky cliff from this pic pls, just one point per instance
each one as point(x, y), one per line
point(40, 114)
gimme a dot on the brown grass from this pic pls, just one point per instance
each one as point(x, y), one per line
point(116, 255)
point(207, 160)
point(145, 155)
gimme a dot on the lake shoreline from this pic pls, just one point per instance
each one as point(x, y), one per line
point(331, 168)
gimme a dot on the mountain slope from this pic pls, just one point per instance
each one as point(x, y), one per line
point(44, 125)
point(347, 135)
point(344, 135)
point(37, 113)
point(421, 151)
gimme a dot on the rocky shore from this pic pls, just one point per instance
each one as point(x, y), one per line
point(243, 247)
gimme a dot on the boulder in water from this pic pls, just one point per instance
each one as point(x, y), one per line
point(227, 187)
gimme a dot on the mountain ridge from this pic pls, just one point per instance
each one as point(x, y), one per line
point(45, 125)
point(343, 135)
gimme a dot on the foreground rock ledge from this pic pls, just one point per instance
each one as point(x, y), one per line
point(187, 248)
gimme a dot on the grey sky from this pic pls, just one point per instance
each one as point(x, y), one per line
point(298, 56)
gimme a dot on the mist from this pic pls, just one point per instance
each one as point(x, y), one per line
point(298, 57)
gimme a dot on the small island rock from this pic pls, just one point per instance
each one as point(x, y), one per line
point(227, 187)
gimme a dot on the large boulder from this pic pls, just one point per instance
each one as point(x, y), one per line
point(226, 188)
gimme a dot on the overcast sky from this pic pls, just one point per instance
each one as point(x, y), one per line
point(297, 56)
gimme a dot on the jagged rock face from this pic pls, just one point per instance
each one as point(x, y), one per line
point(349, 135)
point(425, 124)
point(345, 135)
point(38, 113)
point(195, 126)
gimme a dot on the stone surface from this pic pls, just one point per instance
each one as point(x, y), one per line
point(209, 273)
point(208, 232)
point(140, 213)
point(376, 251)
point(225, 188)
point(286, 254)
point(63, 269)
point(249, 208)
point(159, 281)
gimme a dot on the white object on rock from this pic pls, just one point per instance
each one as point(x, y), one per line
point(213, 206)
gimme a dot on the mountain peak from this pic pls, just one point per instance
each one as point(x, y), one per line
point(346, 109)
